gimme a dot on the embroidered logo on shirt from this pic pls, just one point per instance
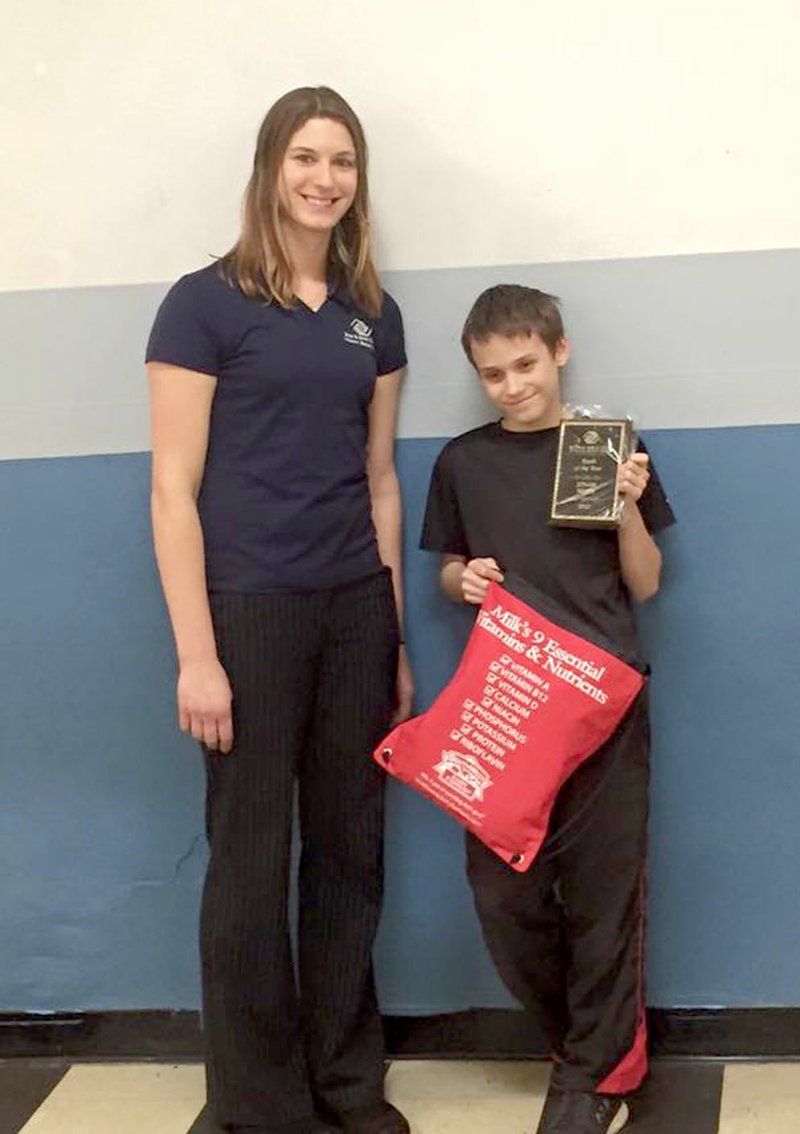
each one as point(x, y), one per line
point(359, 333)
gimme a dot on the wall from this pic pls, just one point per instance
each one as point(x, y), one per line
point(643, 164)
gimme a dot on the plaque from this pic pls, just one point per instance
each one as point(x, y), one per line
point(585, 486)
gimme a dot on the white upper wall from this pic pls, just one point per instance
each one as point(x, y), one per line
point(512, 132)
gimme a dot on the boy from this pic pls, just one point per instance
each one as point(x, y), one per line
point(567, 936)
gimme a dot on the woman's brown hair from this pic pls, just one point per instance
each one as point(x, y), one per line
point(259, 262)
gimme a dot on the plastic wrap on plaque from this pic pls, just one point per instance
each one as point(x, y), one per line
point(591, 445)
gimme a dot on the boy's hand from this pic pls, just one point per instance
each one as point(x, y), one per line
point(632, 477)
point(478, 573)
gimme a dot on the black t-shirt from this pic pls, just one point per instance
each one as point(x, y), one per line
point(490, 496)
point(285, 501)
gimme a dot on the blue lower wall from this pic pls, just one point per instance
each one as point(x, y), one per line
point(101, 824)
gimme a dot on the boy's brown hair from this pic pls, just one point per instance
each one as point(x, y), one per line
point(510, 310)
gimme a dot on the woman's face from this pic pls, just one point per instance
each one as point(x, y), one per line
point(319, 176)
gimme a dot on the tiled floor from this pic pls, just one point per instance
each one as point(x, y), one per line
point(452, 1097)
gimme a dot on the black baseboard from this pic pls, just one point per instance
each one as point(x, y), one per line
point(484, 1033)
point(102, 1035)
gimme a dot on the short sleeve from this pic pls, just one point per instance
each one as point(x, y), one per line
point(654, 506)
point(443, 528)
point(182, 333)
point(390, 346)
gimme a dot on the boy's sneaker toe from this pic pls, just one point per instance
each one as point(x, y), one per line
point(582, 1112)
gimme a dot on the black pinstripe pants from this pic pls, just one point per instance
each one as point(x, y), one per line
point(567, 936)
point(313, 684)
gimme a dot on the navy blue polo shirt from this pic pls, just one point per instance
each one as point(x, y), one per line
point(284, 502)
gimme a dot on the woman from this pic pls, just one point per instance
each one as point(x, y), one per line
point(274, 378)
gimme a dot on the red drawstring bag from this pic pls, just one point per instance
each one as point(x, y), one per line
point(530, 701)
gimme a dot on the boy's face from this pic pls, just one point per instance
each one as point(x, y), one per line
point(521, 377)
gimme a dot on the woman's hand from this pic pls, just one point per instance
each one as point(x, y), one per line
point(632, 477)
point(478, 573)
point(204, 704)
point(405, 688)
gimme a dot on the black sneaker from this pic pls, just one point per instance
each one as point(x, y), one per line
point(582, 1112)
point(377, 1118)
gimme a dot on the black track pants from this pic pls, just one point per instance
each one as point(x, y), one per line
point(567, 936)
point(313, 684)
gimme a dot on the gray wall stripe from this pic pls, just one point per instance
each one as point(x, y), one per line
point(679, 342)
point(76, 384)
